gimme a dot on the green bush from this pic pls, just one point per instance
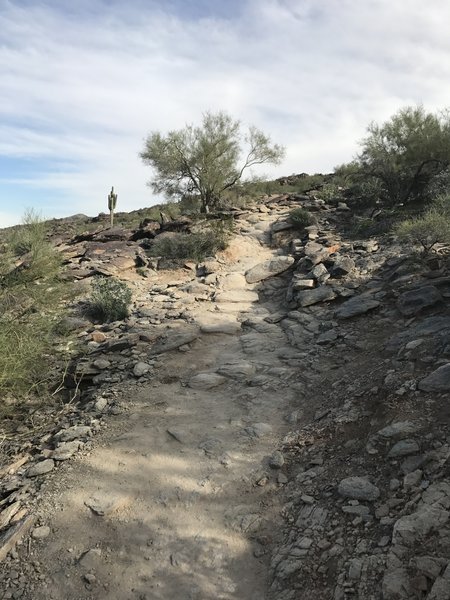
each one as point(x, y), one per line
point(432, 228)
point(301, 218)
point(110, 299)
point(191, 246)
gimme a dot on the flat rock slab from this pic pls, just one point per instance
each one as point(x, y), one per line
point(239, 370)
point(206, 381)
point(227, 327)
point(269, 268)
point(437, 381)
point(354, 307)
point(73, 433)
point(414, 301)
point(41, 468)
point(237, 296)
point(66, 450)
point(320, 294)
point(358, 488)
point(172, 341)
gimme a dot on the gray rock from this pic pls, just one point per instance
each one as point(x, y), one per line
point(412, 479)
point(276, 461)
point(173, 340)
point(403, 448)
point(41, 468)
point(258, 430)
point(269, 268)
point(237, 370)
point(320, 294)
point(141, 368)
point(327, 337)
point(410, 529)
point(358, 488)
point(245, 296)
point(320, 273)
point(281, 226)
point(206, 381)
point(398, 430)
point(396, 585)
point(73, 433)
point(414, 301)
point(441, 587)
point(91, 559)
point(66, 450)
point(228, 328)
point(40, 533)
point(359, 305)
point(437, 381)
point(342, 265)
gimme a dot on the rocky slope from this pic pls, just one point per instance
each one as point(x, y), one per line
point(295, 389)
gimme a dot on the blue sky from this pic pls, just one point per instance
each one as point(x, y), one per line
point(83, 84)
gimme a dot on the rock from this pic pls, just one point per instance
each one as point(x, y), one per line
point(359, 305)
point(66, 450)
point(437, 381)
point(327, 337)
point(441, 587)
point(398, 430)
point(403, 448)
point(40, 533)
point(358, 488)
point(99, 337)
point(206, 381)
point(237, 370)
point(105, 503)
point(90, 560)
point(172, 341)
point(320, 294)
point(281, 226)
point(412, 479)
point(101, 364)
point(414, 301)
point(245, 296)
point(276, 461)
point(320, 273)
point(269, 268)
point(141, 368)
point(41, 468)
point(410, 529)
point(73, 433)
point(258, 430)
point(179, 434)
point(396, 585)
point(342, 265)
point(228, 328)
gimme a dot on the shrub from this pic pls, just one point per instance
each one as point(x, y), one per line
point(431, 228)
point(301, 218)
point(191, 246)
point(110, 299)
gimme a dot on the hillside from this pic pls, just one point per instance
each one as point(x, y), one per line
point(269, 422)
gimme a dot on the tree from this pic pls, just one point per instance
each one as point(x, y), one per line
point(407, 153)
point(206, 160)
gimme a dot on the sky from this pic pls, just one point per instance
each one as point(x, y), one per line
point(83, 83)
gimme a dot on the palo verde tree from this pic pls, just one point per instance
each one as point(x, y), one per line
point(406, 154)
point(206, 160)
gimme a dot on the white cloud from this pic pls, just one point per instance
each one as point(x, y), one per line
point(86, 87)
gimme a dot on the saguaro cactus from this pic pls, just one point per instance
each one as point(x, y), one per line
point(112, 203)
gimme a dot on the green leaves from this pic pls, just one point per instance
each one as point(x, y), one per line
point(206, 160)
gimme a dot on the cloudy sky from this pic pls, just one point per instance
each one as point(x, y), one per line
point(83, 83)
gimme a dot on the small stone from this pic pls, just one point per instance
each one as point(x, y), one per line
point(101, 364)
point(258, 430)
point(358, 488)
point(412, 479)
point(40, 533)
point(437, 381)
point(90, 578)
point(276, 461)
point(140, 369)
point(403, 448)
point(73, 433)
point(98, 337)
point(41, 468)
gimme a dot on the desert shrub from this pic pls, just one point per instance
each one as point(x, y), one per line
point(432, 228)
point(190, 246)
point(110, 299)
point(301, 218)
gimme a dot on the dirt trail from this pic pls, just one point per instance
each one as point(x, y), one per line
point(175, 499)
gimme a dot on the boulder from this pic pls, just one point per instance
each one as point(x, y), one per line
point(206, 381)
point(414, 301)
point(437, 381)
point(358, 488)
point(359, 305)
point(320, 294)
point(269, 268)
point(342, 265)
